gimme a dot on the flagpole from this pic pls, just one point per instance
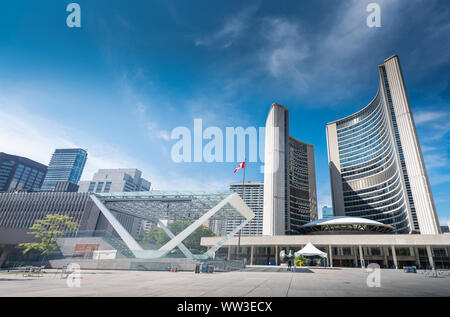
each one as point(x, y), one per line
point(243, 193)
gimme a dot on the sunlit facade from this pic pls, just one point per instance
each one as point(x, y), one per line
point(66, 165)
point(376, 165)
point(290, 198)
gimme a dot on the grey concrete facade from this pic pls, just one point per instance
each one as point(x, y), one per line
point(290, 198)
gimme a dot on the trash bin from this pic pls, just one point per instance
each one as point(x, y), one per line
point(204, 268)
point(210, 268)
point(197, 268)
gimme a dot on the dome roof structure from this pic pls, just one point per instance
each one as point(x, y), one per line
point(345, 225)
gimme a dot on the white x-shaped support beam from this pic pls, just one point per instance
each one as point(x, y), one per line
point(234, 200)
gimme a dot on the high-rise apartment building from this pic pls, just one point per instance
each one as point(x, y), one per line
point(290, 198)
point(66, 165)
point(327, 212)
point(376, 165)
point(20, 174)
point(115, 181)
point(253, 196)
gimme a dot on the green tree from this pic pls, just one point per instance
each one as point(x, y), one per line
point(192, 242)
point(155, 235)
point(300, 261)
point(46, 231)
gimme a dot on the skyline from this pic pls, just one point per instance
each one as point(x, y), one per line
point(132, 73)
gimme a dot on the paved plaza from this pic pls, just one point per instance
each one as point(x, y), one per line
point(253, 282)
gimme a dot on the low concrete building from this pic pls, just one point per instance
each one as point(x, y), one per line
point(344, 250)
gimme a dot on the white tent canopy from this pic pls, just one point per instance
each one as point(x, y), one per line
point(310, 250)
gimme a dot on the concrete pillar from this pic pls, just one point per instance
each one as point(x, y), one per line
point(252, 249)
point(385, 253)
point(276, 255)
point(330, 250)
point(416, 254)
point(361, 257)
point(229, 252)
point(430, 257)
point(394, 256)
point(355, 254)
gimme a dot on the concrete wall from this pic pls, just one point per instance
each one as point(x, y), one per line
point(274, 172)
point(418, 178)
point(129, 264)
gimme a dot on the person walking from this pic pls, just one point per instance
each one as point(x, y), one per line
point(290, 265)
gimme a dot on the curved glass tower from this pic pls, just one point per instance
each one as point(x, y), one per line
point(376, 165)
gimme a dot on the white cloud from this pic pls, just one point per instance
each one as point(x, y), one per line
point(155, 133)
point(285, 50)
point(435, 160)
point(427, 148)
point(141, 109)
point(230, 31)
point(36, 138)
point(20, 138)
point(437, 179)
point(163, 134)
point(422, 117)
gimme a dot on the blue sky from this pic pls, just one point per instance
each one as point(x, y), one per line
point(135, 70)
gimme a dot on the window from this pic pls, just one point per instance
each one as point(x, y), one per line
point(91, 187)
point(99, 187)
point(107, 187)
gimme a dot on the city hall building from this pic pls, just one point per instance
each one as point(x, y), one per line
point(376, 165)
point(382, 202)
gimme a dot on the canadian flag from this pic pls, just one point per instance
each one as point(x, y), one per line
point(242, 165)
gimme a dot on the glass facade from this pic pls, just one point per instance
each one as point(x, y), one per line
point(327, 212)
point(20, 174)
point(299, 208)
point(66, 165)
point(376, 164)
point(366, 150)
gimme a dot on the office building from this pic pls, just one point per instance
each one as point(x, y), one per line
point(327, 212)
point(20, 174)
point(115, 181)
point(290, 198)
point(19, 211)
point(253, 196)
point(66, 165)
point(376, 165)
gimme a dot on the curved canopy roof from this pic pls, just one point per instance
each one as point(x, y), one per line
point(352, 224)
point(342, 220)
